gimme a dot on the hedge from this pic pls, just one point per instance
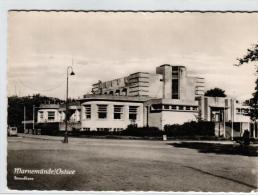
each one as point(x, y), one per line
point(132, 130)
point(193, 128)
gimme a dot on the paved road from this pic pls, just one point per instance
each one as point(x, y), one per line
point(103, 164)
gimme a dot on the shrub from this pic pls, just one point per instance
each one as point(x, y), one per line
point(49, 129)
point(193, 128)
point(142, 131)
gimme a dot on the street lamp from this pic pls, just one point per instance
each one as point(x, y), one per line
point(66, 102)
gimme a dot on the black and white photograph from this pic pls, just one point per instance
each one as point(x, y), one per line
point(161, 101)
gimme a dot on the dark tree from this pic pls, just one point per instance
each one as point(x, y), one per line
point(216, 92)
point(251, 56)
point(16, 108)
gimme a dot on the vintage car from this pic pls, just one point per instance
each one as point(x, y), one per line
point(12, 131)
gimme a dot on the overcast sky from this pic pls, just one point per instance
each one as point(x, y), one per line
point(106, 46)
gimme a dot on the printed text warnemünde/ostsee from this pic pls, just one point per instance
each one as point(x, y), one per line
point(50, 171)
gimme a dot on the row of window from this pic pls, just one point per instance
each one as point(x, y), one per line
point(243, 110)
point(102, 129)
point(50, 115)
point(118, 111)
point(123, 92)
point(173, 107)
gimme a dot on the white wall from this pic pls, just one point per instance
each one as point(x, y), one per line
point(110, 122)
point(156, 86)
point(176, 117)
point(155, 120)
point(160, 119)
point(45, 115)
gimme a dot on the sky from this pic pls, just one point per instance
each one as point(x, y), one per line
point(109, 45)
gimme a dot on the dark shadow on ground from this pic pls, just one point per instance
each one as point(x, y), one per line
point(216, 148)
point(223, 177)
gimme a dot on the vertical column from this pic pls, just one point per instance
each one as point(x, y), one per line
point(24, 115)
point(167, 79)
point(94, 111)
point(206, 109)
point(110, 112)
point(126, 114)
point(232, 118)
point(140, 113)
point(182, 83)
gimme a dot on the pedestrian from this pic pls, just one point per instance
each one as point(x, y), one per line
point(246, 138)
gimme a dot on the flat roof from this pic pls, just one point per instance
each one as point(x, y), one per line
point(172, 102)
point(107, 97)
point(172, 65)
point(49, 106)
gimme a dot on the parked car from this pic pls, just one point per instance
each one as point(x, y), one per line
point(12, 131)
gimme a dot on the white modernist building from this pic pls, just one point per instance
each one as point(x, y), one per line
point(168, 96)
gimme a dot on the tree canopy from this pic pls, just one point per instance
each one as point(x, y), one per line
point(215, 92)
point(251, 56)
point(16, 107)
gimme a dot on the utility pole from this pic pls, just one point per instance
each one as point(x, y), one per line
point(224, 122)
point(33, 113)
point(66, 103)
point(24, 119)
point(232, 119)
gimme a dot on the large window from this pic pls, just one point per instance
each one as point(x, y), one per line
point(174, 107)
point(87, 111)
point(118, 112)
point(181, 107)
point(166, 107)
point(156, 106)
point(175, 82)
point(175, 89)
point(133, 112)
point(51, 115)
point(102, 111)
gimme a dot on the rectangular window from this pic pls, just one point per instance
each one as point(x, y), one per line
point(156, 106)
point(118, 112)
point(166, 107)
point(133, 112)
point(188, 108)
point(41, 115)
point(102, 111)
point(51, 115)
point(181, 107)
point(87, 111)
point(174, 107)
point(175, 89)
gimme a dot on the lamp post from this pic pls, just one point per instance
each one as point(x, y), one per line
point(66, 102)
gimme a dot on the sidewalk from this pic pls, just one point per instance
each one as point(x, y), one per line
point(60, 138)
point(44, 137)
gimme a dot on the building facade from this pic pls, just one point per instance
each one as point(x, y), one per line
point(111, 113)
point(168, 96)
point(54, 116)
point(169, 82)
